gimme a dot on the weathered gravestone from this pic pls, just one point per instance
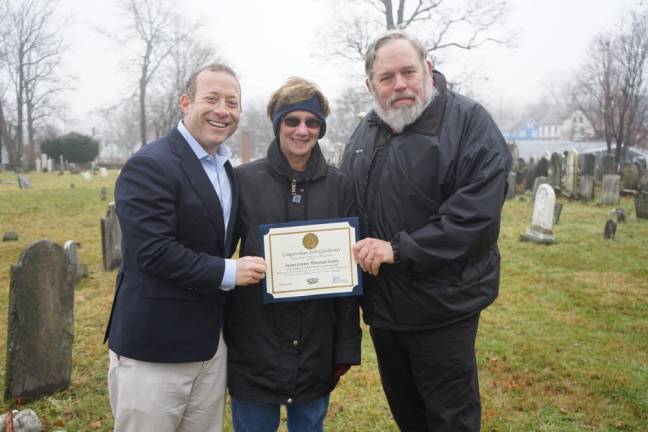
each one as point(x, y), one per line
point(61, 165)
point(103, 172)
point(541, 229)
point(50, 165)
point(586, 189)
point(41, 322)
point(531, 174)
point(570, 181)
point(629, 176)
point(43, 158)
point(557, 212)
point(538, 181)
point(611, 189)
point(554, 173)
point(23, 182)
point(618, 214)
point(641, 205)
point(542, 167)
point(103, 193)
point(10, 236)
point(111, 239)
point(87, 175)
point(608, 165)
point(39, 167)
point(510, 192)
point(589, 164)
point(72, 251)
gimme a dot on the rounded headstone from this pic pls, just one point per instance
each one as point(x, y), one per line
point(10, 236)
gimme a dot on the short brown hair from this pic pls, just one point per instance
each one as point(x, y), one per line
point(190, 87)
point(296, 90)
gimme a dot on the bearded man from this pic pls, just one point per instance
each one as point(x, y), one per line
point(429, 168)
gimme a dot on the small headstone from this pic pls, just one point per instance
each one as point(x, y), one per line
point(619, 214)
point(611, 189)
point(43, 159)
point(510, 192)
point(103, 172)
point(531, 174)
point(61, 165)
point(557, 211)
point(72, 186)
point(536, 184)
point(41, 322)
point(73, 168)
point(23, 182)
point(111, 239)
point(10, 236)
point(642, 186)
point(50, 165)
point(22, 421)
point(103, 193)
point(589, 164)
point(610, 229)
point(541, 229)
point(641, 205)
point(71, 249)
point(586, 189)
point(87, 175)
point(39, 167)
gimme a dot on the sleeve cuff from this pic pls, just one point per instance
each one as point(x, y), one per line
point(229, 276)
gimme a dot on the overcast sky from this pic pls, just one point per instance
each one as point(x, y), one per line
point(267, 41)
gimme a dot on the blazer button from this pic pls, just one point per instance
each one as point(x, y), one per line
point(289, 401)
point(295, 342)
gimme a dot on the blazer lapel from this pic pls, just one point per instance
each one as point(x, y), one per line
point(232, 221)
point(199, 180)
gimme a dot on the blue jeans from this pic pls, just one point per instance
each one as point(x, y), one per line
point(252, 416)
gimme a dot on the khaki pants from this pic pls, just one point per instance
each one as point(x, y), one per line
point(168, 397)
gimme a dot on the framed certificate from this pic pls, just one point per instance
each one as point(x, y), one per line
point(310, 259)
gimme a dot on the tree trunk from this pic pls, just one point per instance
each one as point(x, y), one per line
point(142, 100)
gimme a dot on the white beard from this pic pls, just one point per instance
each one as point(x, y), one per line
point(398, 118)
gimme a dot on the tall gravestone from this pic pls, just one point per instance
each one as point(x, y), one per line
point(629, 176)
point(541, 229)
point(50, 165)
point(641, 205)
point(61, 165)
point(586, 188)
point(510, 191)
point(536, 184)
point(542, 167)
point(23, 182)
point(611, 190)
point(608, 165)
point(531, 175)
point(570, 182)
point(111, 239)
point(39, 167)
point(554, 173)
point(41, 322)
point(515, 156)
point(589, 164)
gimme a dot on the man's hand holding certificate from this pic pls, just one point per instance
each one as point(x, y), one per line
point(310, 259)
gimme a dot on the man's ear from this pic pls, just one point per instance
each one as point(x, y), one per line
point(368, 84)
point(430, 67)
point(184, 103)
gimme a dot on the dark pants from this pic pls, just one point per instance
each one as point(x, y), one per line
point(430, 377)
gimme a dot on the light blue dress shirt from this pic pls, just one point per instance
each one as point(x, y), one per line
point(214, 166)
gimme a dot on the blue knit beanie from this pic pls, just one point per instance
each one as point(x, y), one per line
point(312, 105)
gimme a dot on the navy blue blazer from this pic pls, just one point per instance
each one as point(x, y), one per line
point(168, 304)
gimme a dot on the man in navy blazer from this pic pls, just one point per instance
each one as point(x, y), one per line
point(176, 199)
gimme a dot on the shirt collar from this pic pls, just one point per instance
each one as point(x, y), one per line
point(223, 153)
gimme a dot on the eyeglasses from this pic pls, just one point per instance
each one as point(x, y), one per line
point(296, 121)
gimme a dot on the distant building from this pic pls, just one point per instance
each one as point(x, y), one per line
point(527, 130)
point(576, 127)
point(550, 127)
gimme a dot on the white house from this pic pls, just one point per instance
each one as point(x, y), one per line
point(576, 127)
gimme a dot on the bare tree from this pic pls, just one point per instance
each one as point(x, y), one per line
point(151, 36)
point(187, 56)
point(440, 24)
point(346, 112)
point(32, 50)
point(612, 85)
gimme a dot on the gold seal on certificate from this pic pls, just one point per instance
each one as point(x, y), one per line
point(310, 260)
point(310, 241)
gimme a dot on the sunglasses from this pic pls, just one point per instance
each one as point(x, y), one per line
point(295, 121)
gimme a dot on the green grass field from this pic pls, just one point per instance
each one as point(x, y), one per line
point(564, 347)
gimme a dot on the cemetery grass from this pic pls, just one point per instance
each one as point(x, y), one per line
point(564, 347)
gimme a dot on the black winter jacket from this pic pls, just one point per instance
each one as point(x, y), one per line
point(437, 196)
point(287, 352)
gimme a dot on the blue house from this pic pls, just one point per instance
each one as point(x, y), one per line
point(527, 130)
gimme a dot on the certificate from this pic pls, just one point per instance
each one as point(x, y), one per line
point(310, 259)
